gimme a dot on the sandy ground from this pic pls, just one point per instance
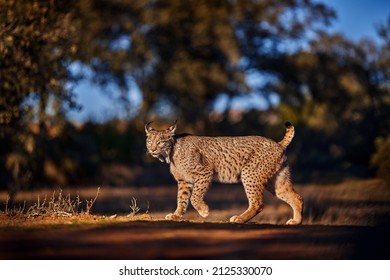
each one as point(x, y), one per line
point(188, 240)
point(350, 220)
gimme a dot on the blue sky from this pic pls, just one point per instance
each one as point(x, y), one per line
point(355, 18)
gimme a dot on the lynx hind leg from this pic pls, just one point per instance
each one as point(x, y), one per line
point(281, 186)
point(254, 194)
point(198, 193)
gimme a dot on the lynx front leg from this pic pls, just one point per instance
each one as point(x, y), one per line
point(197, 198)
point(183, 194)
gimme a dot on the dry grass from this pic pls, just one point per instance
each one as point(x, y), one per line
point(62, 209)
point(58, 204)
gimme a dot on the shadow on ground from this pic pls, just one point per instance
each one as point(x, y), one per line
point(183, 240)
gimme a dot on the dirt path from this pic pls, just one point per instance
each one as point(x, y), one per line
point(183, 240)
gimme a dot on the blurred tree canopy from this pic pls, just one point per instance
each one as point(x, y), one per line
point(184, 56)
point(37, 44)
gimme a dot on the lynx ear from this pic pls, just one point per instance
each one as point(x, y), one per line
point(172, 128)
point(148, 128)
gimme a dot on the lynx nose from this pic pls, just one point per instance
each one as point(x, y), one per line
point(153, 148)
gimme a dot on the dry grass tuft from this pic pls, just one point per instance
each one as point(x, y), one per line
point(134, 209)
point(57, 205)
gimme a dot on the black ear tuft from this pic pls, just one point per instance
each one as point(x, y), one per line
point(172, 128)
point(288, 124)
point(148, 128)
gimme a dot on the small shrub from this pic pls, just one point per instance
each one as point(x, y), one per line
point(134, 209)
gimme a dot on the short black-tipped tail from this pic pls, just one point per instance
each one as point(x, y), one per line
point(288, 136)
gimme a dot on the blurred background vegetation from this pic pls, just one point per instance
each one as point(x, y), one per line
point(190, 60)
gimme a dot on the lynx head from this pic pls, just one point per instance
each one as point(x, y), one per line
point(160, 142)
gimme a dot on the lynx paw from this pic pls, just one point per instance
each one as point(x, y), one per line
point(237, 220)
point(172, 217)
point(293, 222)
point(204, 212)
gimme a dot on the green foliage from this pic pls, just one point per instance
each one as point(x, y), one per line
point(114, 141)
point(381, 158)
point(36, 46)
point(35, 49)
point(187, 53)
